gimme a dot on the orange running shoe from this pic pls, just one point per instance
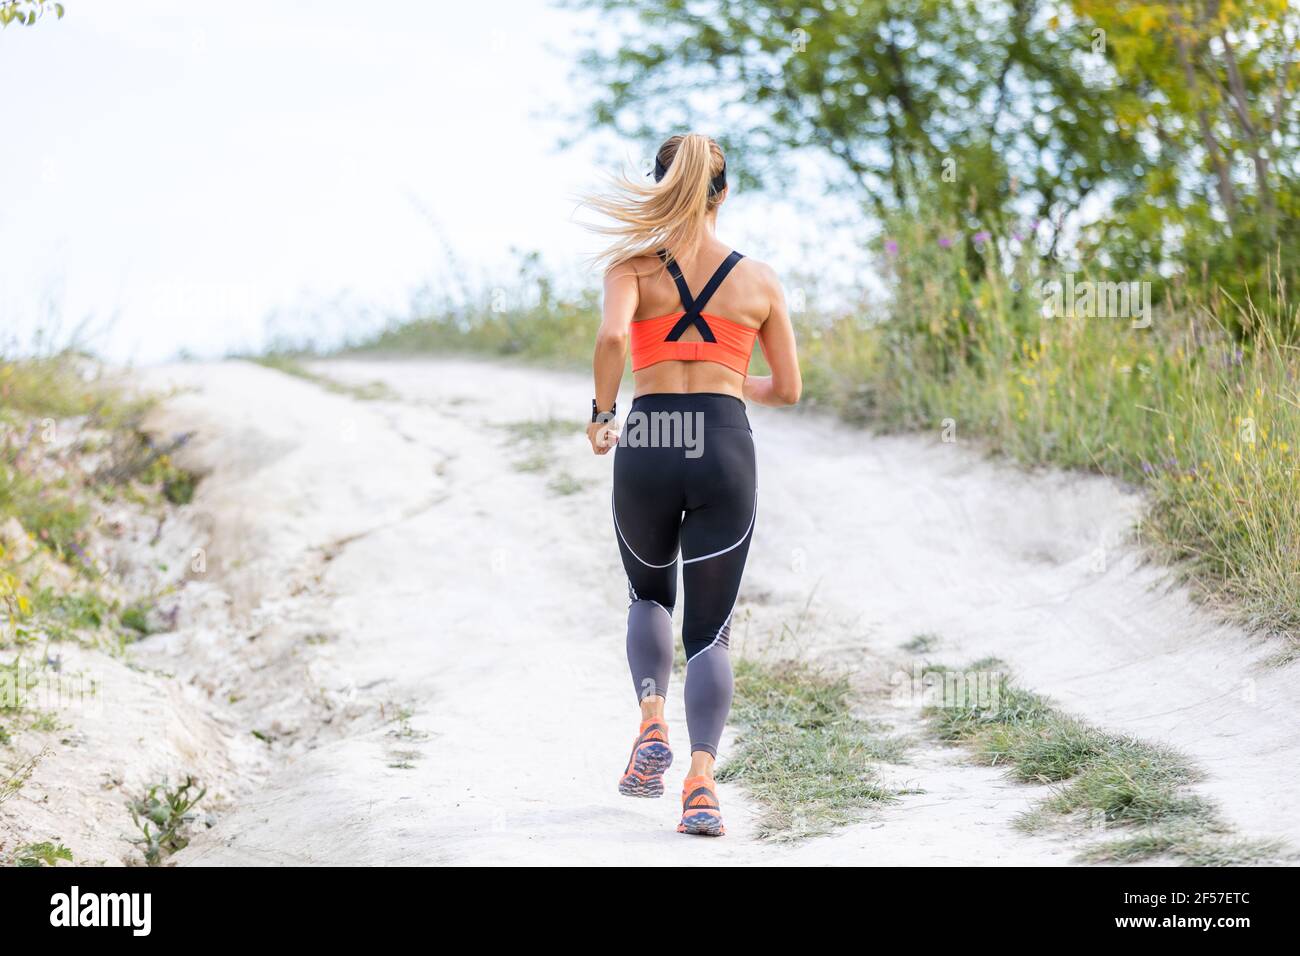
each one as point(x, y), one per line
point(651, 756)
point(701, 814)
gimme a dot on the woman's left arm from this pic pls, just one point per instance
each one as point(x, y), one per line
point(610, 357)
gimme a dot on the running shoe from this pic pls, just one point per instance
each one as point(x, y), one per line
point(701, 814)
point(651, 756)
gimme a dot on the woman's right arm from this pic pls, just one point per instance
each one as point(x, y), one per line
point(785, 384)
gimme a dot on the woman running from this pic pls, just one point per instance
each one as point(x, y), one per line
point(684, 476)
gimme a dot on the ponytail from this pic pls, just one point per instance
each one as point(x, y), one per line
point(670, 213)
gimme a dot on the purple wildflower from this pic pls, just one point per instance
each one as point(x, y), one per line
point(981, 237)
point(945, 242)
point(891, 246)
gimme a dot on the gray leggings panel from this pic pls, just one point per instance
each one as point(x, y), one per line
point(649, 648)
point(708, 697)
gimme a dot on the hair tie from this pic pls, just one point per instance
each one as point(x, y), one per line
point(716, 185)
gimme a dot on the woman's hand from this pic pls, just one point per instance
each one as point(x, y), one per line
point(603, 436)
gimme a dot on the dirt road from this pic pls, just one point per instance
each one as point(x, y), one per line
point(438, 615)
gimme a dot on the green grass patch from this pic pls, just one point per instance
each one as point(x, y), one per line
point(70, 441)
point(801, 753)
point(532, 439)
point(525, 321)
point(1193, 848)
point(563, 484)
point(85, 613)
point(65, 385)
point(1105, 780)
point(921, 643)
point(291, 365)
point(48, 510)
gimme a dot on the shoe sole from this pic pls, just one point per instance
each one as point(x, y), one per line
point(702, 824)
point(646, 778)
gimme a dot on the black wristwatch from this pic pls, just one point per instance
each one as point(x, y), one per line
point(599, 416)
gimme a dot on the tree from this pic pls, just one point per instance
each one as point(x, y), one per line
point(1209, 88)
point(27, 12)
point(973, 106)
point(1176, 120)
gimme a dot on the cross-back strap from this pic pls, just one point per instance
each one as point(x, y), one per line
point(693, 308)
point(679, 280)
point(711, 287)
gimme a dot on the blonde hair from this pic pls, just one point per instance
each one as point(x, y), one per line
point(669, 214)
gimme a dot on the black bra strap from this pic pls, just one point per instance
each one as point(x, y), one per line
point(685, 322)
point(693, 308)
point(675, 271)
point(690, 304)
point(728, 264)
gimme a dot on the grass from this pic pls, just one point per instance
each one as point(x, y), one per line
point(404, 729)
point(65, 385)
point(563, 484)
point(801, 753)
point(1207, 423)
point(292, 365)
point(921, 643)
point(1195, 849)
point(86, 615)
point(70, 442)
point(532, 439)
point(13, 779)
point(47, 509)
point(527, 321)
point(1109, 781)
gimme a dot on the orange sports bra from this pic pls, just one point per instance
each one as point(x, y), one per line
point(723, 341)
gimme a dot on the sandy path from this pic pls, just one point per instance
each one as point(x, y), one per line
point(438, 578)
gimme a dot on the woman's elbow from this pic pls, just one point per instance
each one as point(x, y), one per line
point(788, 393)
point(614, 340)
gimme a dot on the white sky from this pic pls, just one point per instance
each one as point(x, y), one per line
point(177, 172)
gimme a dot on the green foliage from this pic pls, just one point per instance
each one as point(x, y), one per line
point(1175, 121)
point(160, 816)
point(27, 12)
point(902, 97)
point(1210, 90)
point(136, 618)
point(42, 854)
point(48, 511)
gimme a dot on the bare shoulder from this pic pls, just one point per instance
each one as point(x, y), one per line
point(635, 268)
point(622, 270)
point(762, 274)
point(765, 281)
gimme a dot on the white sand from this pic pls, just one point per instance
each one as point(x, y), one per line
point(387, 554)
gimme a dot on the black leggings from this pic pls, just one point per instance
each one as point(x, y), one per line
point(685, 484)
